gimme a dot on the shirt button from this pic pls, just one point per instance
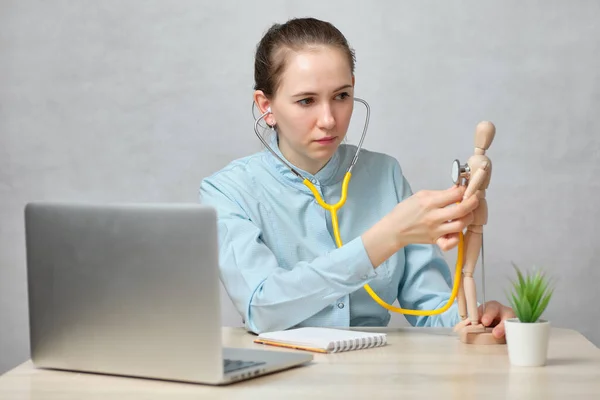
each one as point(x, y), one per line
point(340, 305)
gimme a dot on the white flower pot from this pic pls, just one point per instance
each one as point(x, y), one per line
point(527, 343)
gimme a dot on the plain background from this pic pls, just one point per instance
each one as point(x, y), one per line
point(139, 100)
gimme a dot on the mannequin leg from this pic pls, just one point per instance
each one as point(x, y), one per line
point(473, 244)
point(475, 333)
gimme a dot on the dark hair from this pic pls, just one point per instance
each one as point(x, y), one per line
point(294, 35)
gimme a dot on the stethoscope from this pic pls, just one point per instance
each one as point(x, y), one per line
point(333, 209)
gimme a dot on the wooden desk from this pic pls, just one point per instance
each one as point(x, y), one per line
point(424, 362)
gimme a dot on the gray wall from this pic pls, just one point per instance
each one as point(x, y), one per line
point(139, 100)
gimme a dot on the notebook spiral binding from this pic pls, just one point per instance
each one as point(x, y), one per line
point(358, 344)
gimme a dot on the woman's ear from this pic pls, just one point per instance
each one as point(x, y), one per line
point(261, 100)
point(264, 104)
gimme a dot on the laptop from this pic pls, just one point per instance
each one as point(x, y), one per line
point(133, 290)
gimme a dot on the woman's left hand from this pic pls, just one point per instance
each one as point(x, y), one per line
point(494, 316)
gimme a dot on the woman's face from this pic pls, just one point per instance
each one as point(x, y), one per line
point(313, 106)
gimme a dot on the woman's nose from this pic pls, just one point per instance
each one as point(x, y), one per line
point(326, 119)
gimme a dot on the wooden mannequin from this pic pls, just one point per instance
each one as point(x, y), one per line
point(477, 179)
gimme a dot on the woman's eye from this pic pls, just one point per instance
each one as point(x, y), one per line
point(342, 96)
point(305, 102)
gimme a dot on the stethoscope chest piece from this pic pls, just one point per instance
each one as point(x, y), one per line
point(459, 172)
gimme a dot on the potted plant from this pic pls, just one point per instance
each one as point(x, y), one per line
point(527, 335)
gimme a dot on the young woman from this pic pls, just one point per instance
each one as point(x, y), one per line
point(279, 260)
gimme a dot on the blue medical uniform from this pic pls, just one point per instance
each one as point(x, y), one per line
point(278, 259)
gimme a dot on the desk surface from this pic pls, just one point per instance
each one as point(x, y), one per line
point(424, 362)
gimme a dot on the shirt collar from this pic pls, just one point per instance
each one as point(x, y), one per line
point(330, 174)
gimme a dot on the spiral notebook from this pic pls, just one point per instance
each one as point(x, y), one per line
point(323, 340)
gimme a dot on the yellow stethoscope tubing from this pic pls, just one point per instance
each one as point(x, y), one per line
point(336, 230)
point(333, 208)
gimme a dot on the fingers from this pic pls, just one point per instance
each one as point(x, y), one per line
point(495, 314)
point(459, 210)
point(448, 241)
point(453, 227)
point(439, 200)
point(447, 197)
point(444, 223)
point(500, 330)
point(491, 313)
point(448, 232)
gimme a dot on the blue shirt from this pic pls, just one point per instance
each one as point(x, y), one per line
point(278, 259)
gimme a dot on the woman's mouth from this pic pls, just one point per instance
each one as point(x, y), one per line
point(326, 140)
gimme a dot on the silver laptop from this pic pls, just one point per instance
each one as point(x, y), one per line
point(133, 290)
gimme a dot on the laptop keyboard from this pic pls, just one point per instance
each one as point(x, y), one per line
point(234, 365)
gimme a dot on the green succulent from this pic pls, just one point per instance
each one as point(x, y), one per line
point(530, 295)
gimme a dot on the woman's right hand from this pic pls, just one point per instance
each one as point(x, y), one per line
point(426, 217)
point(434, 217)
